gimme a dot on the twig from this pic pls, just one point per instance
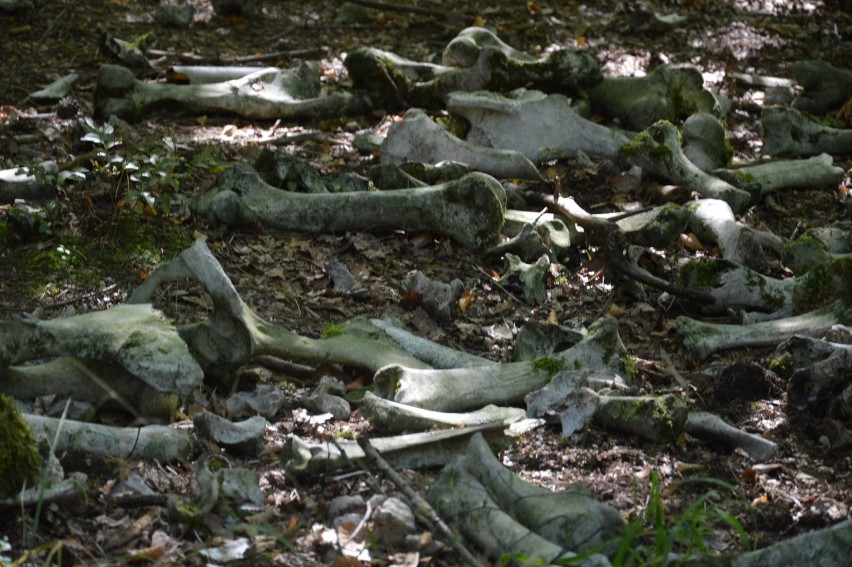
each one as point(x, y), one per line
point(422, 509)
point(503, 289)
point(275, 55)
point(79, 297)
point(395, 7)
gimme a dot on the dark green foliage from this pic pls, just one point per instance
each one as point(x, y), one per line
point(20, 460)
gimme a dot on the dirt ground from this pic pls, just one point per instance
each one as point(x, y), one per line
point(282, 277)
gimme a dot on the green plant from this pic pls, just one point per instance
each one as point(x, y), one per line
point(659, 538)
point(30, 224)
point(549, 365)
point(20, 461)
point(146, 180)
point(631, 366)
point(332, 330)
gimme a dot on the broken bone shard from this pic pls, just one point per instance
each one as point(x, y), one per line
point(57, 89)
point(418, 138)
point(267, 94)
point(657, 150)
point(470, 210)
point(539, 126)
point(409, 451)
point(530, 277)
point(438, 298)
point(789, 133)
point(668, 93)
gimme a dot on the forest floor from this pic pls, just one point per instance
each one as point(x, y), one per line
point(96, 247)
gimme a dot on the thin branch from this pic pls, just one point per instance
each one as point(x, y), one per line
point(424, 511)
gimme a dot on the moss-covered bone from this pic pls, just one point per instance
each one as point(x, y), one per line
point(703, 339)
point(267, 94)
point(789, 133)
point(393, 82)
point(539, 126)
point(816, 246)
point(470, 210)
point(668, 93)
point(657, 150)
point(817, 172)
point(136, 338)
point(738, 287)
point(459, 389)
point(826, 87)
point(19, 457)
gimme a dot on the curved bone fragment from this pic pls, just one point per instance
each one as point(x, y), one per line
point(469, 210)
point(657, 150)
point(464, 49)
point(505, 515)
point(539, 126)
point(704, 142)
point(713, 220)
point(267, 94)
point(419, 138)
point(233, 334)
